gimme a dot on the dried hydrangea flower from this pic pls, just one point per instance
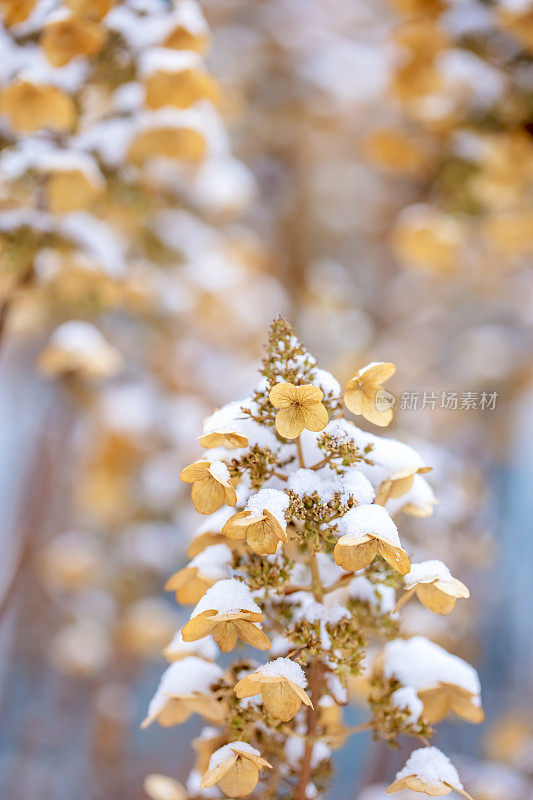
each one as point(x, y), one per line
point(231, 440)
point(435, 586)
point(281, 683)
point(67, 38)
point(361, 392)
point(262, 522)
point(369, 531)
point(79, 348)
point(184, 689)
point(235, 769)
point(205, 569)
point(227, 612)
point(429, 771)
point(162, 787)
point(299, 408)
point(30, 107)
point(211, 487)
point(398, 484)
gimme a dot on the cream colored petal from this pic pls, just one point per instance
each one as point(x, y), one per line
point(401, 486)
point(282, 395)
point(397, 786)
point(309, 394)
point(174, 712)
point(161, 787)
point(418, 511)
point(396, 557)
point(227, 439)
point(207, 495)
point(198, 626)
point(433, 598)
point(378, 374)
point(253, 635)
point(281, 700)
point(436, 703)
point(302, 694)
point(315, 417)
point(462, 704)
point(241, 779)
point(208, 707)
point(355, 556)
point(353, 398)
point(290, 422)
point(248, 686)
point(225, 635)
point(237, 525)
point(194, 472)
point(199, 543)
point(372, 414)
point(230, 495)
point(453, 587)
point(213, 776)
point(262, 539)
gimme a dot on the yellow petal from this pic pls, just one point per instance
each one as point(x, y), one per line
point(248, 686)
point(241, 779)
point(227, 439)
point(434, 599)
point(194, 472)
point(353, 398)
point(315, 417)
point(199, 626)
point(378, 374)
point(225, 635)
point(253, 635)
point(309, 394)
point(395, 556)
point(212, 776)
point(290, 422)
point(282, 395)
point(207, 495)
point(280, 699)
point(355, 556)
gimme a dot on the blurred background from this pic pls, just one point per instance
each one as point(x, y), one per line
point(173, 175)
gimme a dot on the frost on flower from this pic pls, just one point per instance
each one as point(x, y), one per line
point(429, 771)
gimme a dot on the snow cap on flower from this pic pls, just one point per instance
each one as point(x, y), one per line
point(299, 407)
point(281, 683)
point(162, 787)
point(435, 586)
point(184, 689)
point(178, 649)
point(429, 771)
point(262, 522)
point(205, 569)
point(362, 392)
point(235, 769)
point(227, 611)
point(79, 348)
point(211, 487)
point(366, 531)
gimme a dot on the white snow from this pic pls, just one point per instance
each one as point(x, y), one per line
point(189, 676)
point(227, 597)
point(427, 572)
point(407, 698)
point(420, 494)
point(326, 381)
point(212, 562)
point(206, 648)
point(371, 520)
point(272, 500)
point(214, 522)
point(326, 483)
point(226, 751)
point(232, 419)
point(294, 750)
point(77, 336)
point(378, 595)
point(165, 59)
point(284, 668)
point(219, 470)
point(431, 766)
point(422, 664)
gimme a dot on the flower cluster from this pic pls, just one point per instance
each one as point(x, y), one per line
point(306, 563)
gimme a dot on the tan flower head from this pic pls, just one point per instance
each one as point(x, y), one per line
point(231, 440)
point(67, 38)
point(228, 612)
point(78, 347)
point(429, 771)
point(168, 140)
point(165, 87)
point(448, 698)
point(184, 689)
point(435, 586)
point(282, 683)
point(205, 569)
point(262, 522)
point(211, 487)
point(367, 531)
point(16, 11)
point(70, 190)
point(30, 107)
point(235, 768)
point(361, 392)
point(161, 787)
point(299, 408)
point(89, 9)
point(398, 484)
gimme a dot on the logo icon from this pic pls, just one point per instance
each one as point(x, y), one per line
point(384, 400)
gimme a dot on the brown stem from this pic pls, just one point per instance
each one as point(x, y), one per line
point(321, 463)
point(312, 718)
point(300, 452)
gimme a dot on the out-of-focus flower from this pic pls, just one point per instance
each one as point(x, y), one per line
point(162, 787)
point(211, 487)
point(16, 11)
point(79, 348)
point(67, 38)
point(362, 392)
point(31, 106)
point(299, 408)
point(282, 685)
point(205, 569)
point(184, 690)
point(235, 769)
